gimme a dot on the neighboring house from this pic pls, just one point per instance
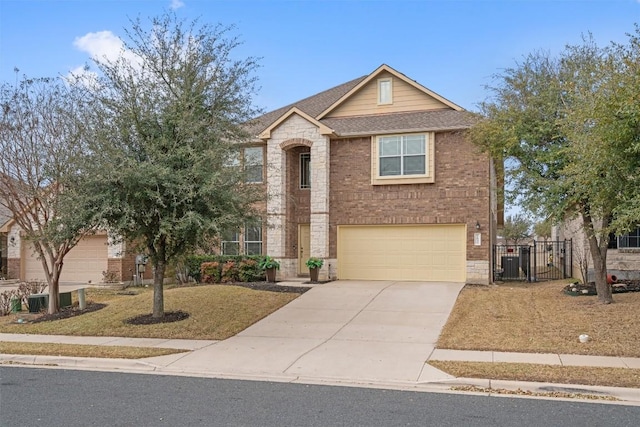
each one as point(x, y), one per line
point(84, 263)
point(374, 176)
point(623, 255)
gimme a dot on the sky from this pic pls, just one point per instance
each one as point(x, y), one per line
point(452, 47)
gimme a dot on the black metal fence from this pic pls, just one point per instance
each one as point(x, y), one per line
point(535, 262)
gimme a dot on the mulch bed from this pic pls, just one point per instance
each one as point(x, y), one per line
point(268, 286)
point(148, 319)
point(621, 286)
point(67, 312)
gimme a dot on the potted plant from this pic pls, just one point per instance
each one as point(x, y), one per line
point(270, 265)
point(314, 264)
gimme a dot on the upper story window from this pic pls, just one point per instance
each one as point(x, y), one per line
point(385, 91)
point(253, 164)
point(403, 159)
point(305, 170)
point(402, 155)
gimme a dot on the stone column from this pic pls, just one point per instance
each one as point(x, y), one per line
point(276, 201)
point(320, 201)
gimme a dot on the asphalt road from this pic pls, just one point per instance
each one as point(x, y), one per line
point(52, 397)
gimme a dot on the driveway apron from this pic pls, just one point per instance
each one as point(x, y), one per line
point(364, 331)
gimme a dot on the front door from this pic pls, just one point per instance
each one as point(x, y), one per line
point(304, 247)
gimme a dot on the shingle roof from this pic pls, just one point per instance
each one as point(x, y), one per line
point(433, 120)
point(313, 105)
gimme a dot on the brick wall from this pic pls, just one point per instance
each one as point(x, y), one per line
point(460, 194)
point(298, 201)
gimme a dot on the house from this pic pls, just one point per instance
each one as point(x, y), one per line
point(87, 262)
point(374, 176)
point(623, 255)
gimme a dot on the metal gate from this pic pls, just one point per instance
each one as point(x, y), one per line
point(535, 262)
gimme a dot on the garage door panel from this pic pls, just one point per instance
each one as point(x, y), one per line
point(397, 252)
point(85, 262)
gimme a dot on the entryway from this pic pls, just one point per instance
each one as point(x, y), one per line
point(304, 247)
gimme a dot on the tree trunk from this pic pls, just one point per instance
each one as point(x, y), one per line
point(54, 289)
point(159, 264)
point(599, 255)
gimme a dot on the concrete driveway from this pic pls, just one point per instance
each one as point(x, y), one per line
point(363, 331)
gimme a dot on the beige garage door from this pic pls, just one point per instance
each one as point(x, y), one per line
point(399, 252)
point(84, 263)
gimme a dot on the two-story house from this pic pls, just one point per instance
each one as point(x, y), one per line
point(374, 176)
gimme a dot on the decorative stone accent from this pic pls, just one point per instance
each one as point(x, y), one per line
point(293, 132)
point(478, 272)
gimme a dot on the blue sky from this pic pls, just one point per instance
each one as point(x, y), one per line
point(452, 47)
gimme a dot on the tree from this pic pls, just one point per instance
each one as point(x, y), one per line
point(40, 142)
point(168, 125)
point(516, 228)
point(543, 229)
point(566, 125)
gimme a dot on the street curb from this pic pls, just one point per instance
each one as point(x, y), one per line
point(628, 396)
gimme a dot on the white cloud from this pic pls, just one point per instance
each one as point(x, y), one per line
point(101, 45)
point(177, 4)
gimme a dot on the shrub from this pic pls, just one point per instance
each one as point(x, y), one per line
point(193, 264)
point(230, 272)
point(210, 272)
point(5, 301)
point(249, 271)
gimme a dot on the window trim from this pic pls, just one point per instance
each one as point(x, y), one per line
point(381, 93)
point(429, 152)
point(301, 182)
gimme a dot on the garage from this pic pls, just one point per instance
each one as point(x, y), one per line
point(402, 252)
point(84, 263)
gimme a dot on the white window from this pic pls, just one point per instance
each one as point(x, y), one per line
point(305, 170)
point(403, 159)
point(231, 242)
point(402, 155)
point(385, 91)
point(253, 161)
point(629, 240)
point(253, 240)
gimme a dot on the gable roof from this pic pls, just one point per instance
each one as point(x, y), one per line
point(318, 106)
point(376, 73)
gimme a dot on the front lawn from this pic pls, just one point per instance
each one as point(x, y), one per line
point(540, 318)
point(216, 312)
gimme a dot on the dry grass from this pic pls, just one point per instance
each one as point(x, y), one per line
point(216, 312)
point(614, 377)
point(540, 318)
point(77, 350)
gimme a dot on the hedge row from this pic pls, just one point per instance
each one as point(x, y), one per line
point(225, 268)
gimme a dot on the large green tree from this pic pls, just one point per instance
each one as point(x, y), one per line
point(564, 127)
point(168, 123)
point(41, 138)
